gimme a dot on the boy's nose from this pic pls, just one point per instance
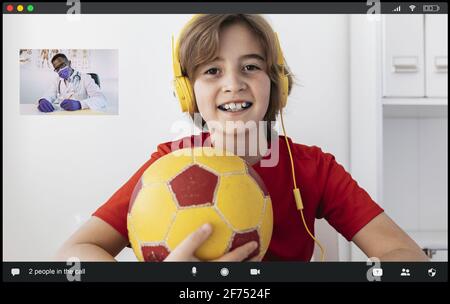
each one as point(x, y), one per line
point(233, 83)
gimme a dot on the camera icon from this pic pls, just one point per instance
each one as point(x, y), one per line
point(255, 271)
point(377, 272)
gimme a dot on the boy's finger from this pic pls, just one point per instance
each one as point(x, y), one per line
point(240, 253)
point(195, 239)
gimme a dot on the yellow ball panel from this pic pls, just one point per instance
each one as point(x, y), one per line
point(189, 220)
point(152, 213)
point(242, 207)
point(266, 227)
point(167, 167)
point(218, 161)
point(133, 241)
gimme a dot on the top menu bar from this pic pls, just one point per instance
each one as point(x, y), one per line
point(366, 7)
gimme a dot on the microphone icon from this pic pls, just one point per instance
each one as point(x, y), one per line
point(194, 271)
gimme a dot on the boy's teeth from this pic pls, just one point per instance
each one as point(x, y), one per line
point(234, 107)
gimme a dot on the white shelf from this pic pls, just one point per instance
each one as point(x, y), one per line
point(415, 101)
point(392, 110)
point(415, 107)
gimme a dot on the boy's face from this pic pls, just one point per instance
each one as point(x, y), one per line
point(235, 86)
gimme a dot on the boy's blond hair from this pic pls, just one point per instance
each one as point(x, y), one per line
point(199, 44)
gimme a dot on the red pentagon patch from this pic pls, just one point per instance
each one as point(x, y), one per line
point(240, 239)
point(136, 190)
point(195, 186)
point(154, 253)
point(258, 180)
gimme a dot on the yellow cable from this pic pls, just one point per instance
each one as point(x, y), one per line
point(297, 196)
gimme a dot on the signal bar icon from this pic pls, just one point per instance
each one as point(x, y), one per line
point(397, 9)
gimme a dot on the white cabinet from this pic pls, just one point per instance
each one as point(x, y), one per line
point(415, 170)
point(403, 136)
point(403, 59)
point(414, 54)
point(436, 52)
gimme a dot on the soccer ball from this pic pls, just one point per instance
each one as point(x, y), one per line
point(183, 190)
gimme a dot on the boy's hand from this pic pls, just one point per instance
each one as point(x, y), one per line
point(186, 249)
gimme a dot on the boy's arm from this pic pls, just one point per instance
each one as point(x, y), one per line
point(384, 239)
point(96, 240)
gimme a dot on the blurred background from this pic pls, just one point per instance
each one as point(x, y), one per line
point(371, 91)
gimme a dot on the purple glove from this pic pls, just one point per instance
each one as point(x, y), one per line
point(71, 105)
point(45, 105)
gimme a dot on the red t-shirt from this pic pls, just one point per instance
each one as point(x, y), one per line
point(327, 191)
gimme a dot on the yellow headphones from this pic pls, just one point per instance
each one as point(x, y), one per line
point(185, 94)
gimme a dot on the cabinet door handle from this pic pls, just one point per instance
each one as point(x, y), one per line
point(440, 62)
point(405, 64)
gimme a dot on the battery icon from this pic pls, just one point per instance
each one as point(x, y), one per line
point(431, 8)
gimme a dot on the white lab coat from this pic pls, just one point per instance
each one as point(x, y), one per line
point(84, 89)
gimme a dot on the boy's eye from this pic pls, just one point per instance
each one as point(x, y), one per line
point(212, 71)
point(216, 71)
point(251, 67)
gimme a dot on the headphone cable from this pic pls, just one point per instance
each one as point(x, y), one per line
point(297, 196)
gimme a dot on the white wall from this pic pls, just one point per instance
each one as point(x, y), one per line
point(47, 160)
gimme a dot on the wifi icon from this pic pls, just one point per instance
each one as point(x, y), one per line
point(412, 7)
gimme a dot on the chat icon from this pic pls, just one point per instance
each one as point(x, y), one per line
point(15, 271)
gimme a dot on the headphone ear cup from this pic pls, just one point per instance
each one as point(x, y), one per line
point(180, 95)
point(183, 90)
point(190, 99)
point(284, 79)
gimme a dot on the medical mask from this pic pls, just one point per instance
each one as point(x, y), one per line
point(64, 73)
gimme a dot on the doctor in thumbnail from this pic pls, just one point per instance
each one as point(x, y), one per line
point(72, 90)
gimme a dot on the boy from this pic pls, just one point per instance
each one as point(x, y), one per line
point(234, 73)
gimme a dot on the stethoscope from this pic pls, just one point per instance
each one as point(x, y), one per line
point(76, 82)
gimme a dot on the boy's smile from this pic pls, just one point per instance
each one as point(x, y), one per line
point(235, 105)
point(235, 86)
